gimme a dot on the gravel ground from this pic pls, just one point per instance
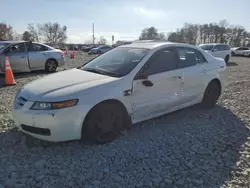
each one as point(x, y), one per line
point(190, 148)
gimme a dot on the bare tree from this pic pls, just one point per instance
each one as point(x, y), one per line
point(211, 33)
point(150, 33)
point(102, 40)
point(34, 32)
point(17, 36)
point(6, 31)
point(161, 36)
point(53, 33)
point(27, 36)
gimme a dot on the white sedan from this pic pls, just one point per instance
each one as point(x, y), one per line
point(127, 85)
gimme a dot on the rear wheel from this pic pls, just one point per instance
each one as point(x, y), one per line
point(211, 95)
point(50, 66)
point(227, 58)
point(104, 123)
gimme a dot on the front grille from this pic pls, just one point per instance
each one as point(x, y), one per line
point(21, 101)
point(36, 130)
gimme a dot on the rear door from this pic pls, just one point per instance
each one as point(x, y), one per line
point(18, 57)
point(220, 51)
point(239, 51)
point(193, 74)
point(244, 50)
point(38, 55)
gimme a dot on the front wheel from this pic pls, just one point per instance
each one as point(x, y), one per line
point(104, 123)
point(211, 95)
point(50, 66)
point(227, 58)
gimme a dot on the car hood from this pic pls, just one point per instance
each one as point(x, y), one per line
point(63, 85)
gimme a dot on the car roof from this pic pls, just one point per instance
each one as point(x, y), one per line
point(152, 45)
point(12, 41)
point(214, 44)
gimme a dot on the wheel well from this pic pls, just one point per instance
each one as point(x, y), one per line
point(217, 81)
point(110, 101)
point(53, 60)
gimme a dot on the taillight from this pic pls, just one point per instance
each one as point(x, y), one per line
point(61, 53)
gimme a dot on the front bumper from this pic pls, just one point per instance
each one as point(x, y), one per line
point(50, 125)
point(61, 61)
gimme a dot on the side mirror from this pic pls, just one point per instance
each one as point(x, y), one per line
point(215, 50)
point(142, 76)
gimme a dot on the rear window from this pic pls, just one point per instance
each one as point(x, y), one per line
point(208, 47)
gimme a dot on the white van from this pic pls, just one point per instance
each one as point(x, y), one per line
point(217, 50)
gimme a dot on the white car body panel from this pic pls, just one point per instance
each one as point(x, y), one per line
point(246, 53)
point(239, 50)
point(221, 54)
point(168, 94)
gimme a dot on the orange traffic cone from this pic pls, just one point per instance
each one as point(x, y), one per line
point(9, 78)
point(66, 51)
point(73, 54)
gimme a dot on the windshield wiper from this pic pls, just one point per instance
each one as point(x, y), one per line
point(98, 71)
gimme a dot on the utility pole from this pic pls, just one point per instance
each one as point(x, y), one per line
point(93, 33)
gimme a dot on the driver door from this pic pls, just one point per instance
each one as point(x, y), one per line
point(18, 57)
point(156, 88)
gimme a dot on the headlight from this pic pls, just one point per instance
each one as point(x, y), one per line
point(53, 105)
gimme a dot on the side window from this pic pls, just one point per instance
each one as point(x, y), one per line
point(217, 48)
point(162, 61)
point(17, 48)
point(187, 57)
point(226, 47)
point(222, 47)
point(200, 57)
point(37, 47)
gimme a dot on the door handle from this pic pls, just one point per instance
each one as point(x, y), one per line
point(147, 83)
point(22, 57)
point(176, 77)
point(204, 71)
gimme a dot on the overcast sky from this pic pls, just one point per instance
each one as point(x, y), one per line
point(122, 18)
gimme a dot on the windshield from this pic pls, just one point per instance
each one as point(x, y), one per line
point(206, 47)
point(3, 45)
point(117, 62)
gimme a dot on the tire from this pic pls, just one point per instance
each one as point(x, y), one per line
point(227, 58)
point(104, 123)
point(211, 95)
point(233, 54)
point(51, 66)
point(99, 52)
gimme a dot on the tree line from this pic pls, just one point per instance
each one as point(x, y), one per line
point(221, 32)
point(196, 34)
point(52, 33)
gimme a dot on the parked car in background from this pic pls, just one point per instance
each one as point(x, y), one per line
point(217, 50)
point(100, 49)
point(88, 47)
point(26, 56)
point(128, 84)
point(246, 53)
point(239, 51)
